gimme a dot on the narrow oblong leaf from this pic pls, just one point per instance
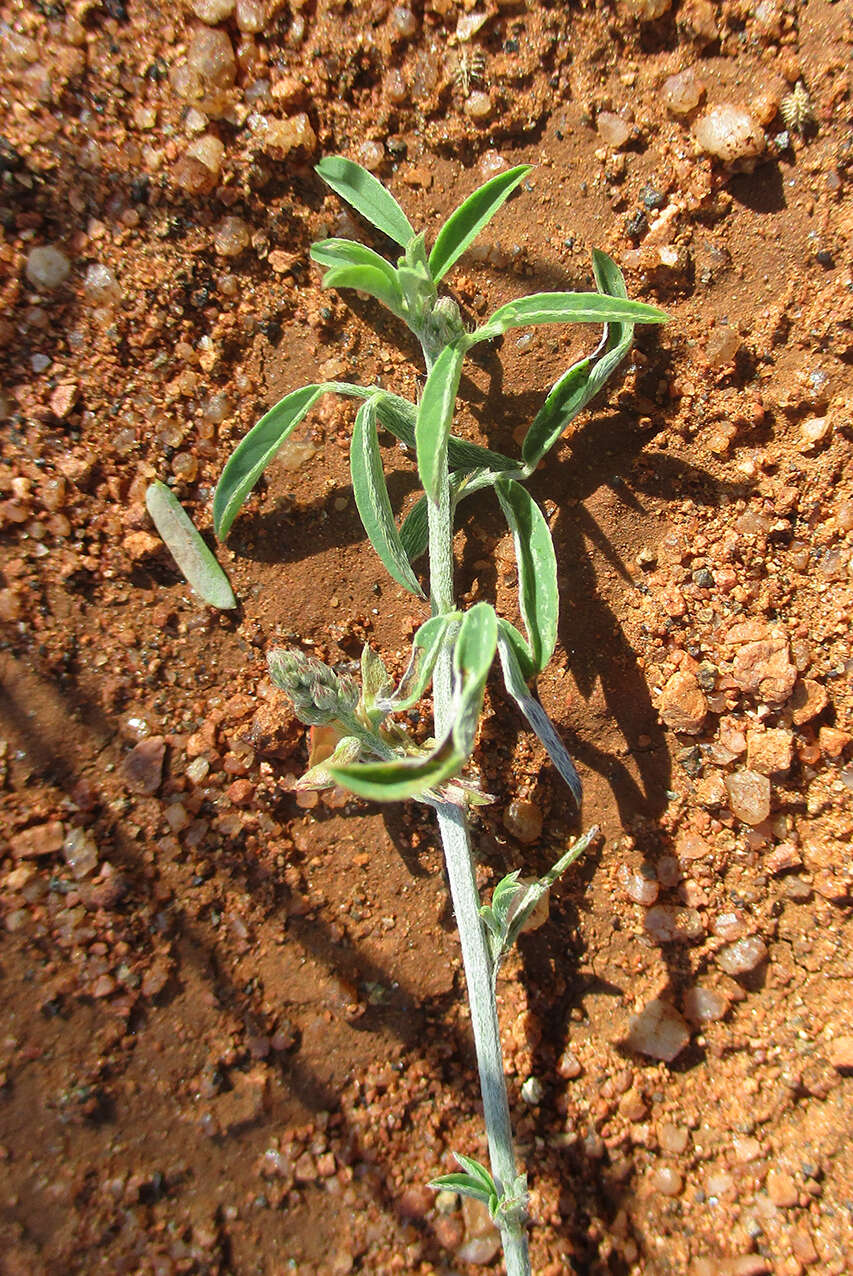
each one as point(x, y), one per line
point(396, 415)
point(476, 642)
point(464, 1184)
point(473, 654)
point(476, 1170)
point(185, 544)
point(426, 645)
point(372, 500)
point(565, 400)
point(416, 284)
point(435, 416)
point(533, 711)
point(346, 750)
point(531, 895)
point(462, 455)
point(566, 307)
point(414, 532)
point(363, 192)
point(577, 387)
point(463, 225)
point(608, 277)
point(538, 595)
point(256, 449)
point(367, 279)
point(348, 252)
point(395, 781)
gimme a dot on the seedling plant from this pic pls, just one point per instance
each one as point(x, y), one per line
point(454, 649)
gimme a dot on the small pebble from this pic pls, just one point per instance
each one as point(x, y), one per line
point(683, 706)
point(749, 796)
point(100, 285)
point(396, 88)
point(645, 10)
point(143, 766)
point(668, 924)
point(569, 1066)
point(840, 1052)
point(673, 1138)
point(743, 956)
point(371, 156)
point(729, 926)
point(231, 236)
point(211, 56)
point(251, 16)
point(478, 106)
point(722, 346)
point(212, 12)
point(523, 821)
point(683, 92)
point(782, 1189)
point(209, 151)
point(403, 22)
point(532, 1091)
point(81, 853)
point(638, 887)
point(40, 839)
point(770, 752)
point(814, 431)
point(667, 1181)
point(47, 267)
point(658, 1031)
point(612, 129)
point(729, 133)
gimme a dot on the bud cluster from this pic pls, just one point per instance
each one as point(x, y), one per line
point(319, 695)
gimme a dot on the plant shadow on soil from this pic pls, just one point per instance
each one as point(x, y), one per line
point(42, 724)
point(43, 739)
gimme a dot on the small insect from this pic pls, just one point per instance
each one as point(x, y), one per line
point(470, 70)
point(796, 109)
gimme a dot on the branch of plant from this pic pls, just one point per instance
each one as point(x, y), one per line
point(374, 757)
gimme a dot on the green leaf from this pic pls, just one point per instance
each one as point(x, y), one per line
point(375, 686)
point(564, 402)
point(395, 781)
point(475, 1181)
point(473, 654)
point(416, 283)
point(367, 196)
point(566, 307)
point(513, 902)
point(395, 414)
point(577, 387)
point(254, 452)
point(184, 543)
point(463, 225)
point(532, 709)
point(527, 897)
point(414, 533)
point(608, 277)
point(538, 595)
point(462, 455)
point(426, 645)
point(347, 252)
point(347, 750)
point(367, 279)
point(435, 417)
point(465, 1185)
point(372, 500)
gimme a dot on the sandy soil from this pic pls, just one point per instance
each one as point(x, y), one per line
point(233, 1036)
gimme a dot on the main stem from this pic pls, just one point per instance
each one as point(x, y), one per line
point(453, 827)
